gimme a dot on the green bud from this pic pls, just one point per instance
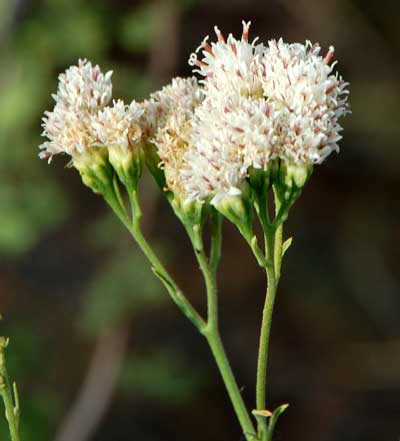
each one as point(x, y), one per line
point(94, 168)
point(238, 209)
point(128, 164)
point(290, 178)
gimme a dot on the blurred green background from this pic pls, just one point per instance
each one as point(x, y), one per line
point(98, 350)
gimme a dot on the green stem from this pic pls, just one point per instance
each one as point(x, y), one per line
point(213, 336)
point(210, 328)
point(211, 288)
point(217, 349)
point(262, 363)
point(273, 238)
point(11, 408)
point(278, 237)
point(216, 239)
point(158, 268)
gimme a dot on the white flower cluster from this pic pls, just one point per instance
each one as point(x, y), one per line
point(261, 103)
point(81, 117)
point(255, 104)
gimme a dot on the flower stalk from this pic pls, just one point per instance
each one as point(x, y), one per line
point(262, 363)
point(133, 224)
point(274, 251)
point(208, 267)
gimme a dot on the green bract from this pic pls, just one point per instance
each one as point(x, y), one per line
point(95, 169)
point(128, 164)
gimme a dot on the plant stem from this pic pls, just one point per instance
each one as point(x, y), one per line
point(273, 235)
point(212, 333)
point(216, 239)
point(133, 225)
point(9, 395)
point(217, 349)
point(210, 328)
point(262, 363)
point(278, 237)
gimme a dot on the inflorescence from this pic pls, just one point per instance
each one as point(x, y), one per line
point(255, 106)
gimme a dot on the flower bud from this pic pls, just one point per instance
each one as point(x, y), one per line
point(290, 178)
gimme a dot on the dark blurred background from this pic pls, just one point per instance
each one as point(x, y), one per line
point(97, 348)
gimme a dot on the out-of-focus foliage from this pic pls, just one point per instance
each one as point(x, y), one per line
point(162, 376)
point(30, 201)
point(43, 406)
point(121, 290)
point(138, 28)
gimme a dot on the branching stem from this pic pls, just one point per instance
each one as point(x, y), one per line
point(212, 333)
point(133, 225)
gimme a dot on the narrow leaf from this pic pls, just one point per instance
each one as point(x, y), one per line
point(274, 418)
point(262, 413)
point(286, 245)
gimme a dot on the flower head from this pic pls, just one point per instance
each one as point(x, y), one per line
point(280, 101)
point(310, 99)
point(117, 128)
point(68, 132)
point(168, 114)
point(118, 125)
point(83, 90)
point(228, 137)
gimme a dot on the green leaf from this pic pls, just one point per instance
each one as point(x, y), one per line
point(262, 413)
point(286, 245)
point(274, 418)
